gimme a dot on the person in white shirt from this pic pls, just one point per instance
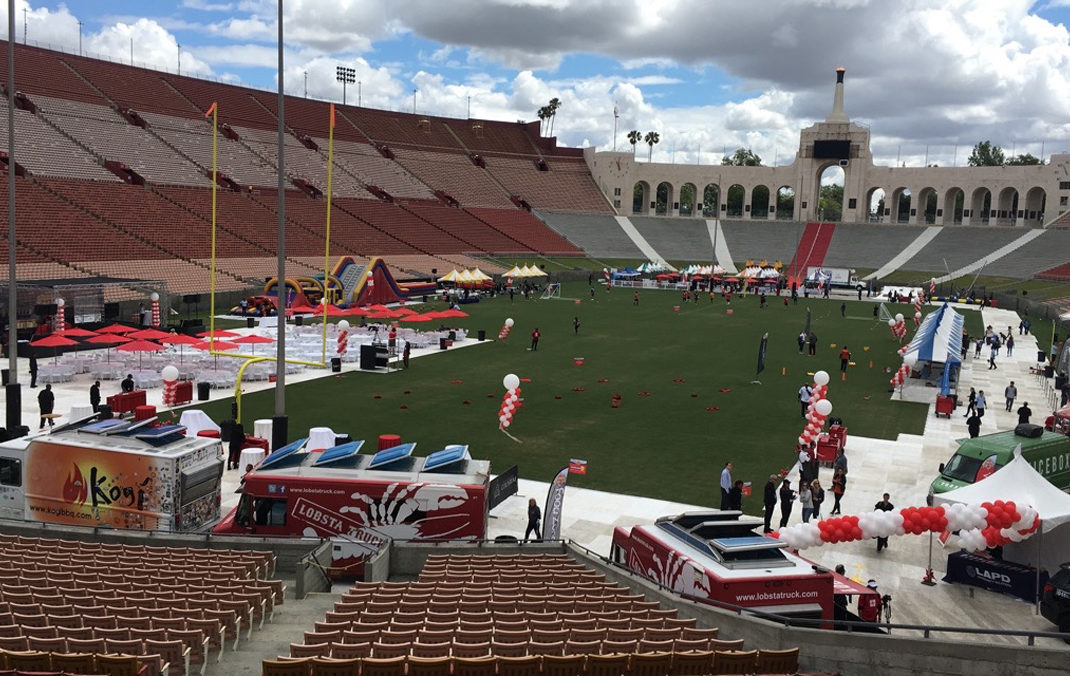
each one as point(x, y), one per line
point(804, 399)
point(726, 484)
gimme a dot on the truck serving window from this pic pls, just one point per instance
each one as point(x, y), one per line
point(10, 472)
point(270, 512)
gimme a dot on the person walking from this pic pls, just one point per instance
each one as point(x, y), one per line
point(802, 341)
point(1010, 393)
point(635, 298)
point(973, 424)
point(971, 406)
point(817, 494)
point(993, 350)
point(806, 501)
point(804, 398)
point(845, 359)
point(870, 605)
point(1023, 414)
point(46, 400)
point(843, 309)
point(535, 335)
point(534, 517)
point(981, 404)
point(1010, 342)
point(575, 326)
point(33, 370)
point(726, 485)
point(840, 463)
point(405, 353)
point(94, 396)
point(813, 344)
point(787, 496)
point(884, 505)
point(769, 501)
point(839, 487)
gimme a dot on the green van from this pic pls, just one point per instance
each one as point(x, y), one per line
point(976, 458)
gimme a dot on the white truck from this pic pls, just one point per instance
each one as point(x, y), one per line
point(113, 473)
point(841, 277)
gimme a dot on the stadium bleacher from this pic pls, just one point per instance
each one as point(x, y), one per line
point(867, 246)
point(681, 239)
point(596, 234)
point(772, 240)
point(954, 248)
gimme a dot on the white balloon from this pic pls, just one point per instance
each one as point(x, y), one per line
point(821, 378)
point(506, 423)
point(509, 322)
point(899, 317)
point(917, 315)
point(511, 381)
point(60, 302)
point(343, 325)
point(891, 322)
point(155, 296)
point(824, 407)
point(169, 374)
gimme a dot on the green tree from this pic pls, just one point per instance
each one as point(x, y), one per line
point(552, 108)
point(830, 202)
point(651, 139)
point(1024, 160)
point(986, 155)
point(687, 197)
point(785, 202)
point(743, 157)
point(634, 137)
point(544, 114)
point(735, 200)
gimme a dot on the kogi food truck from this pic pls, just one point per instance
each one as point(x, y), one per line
point(362, 501)
point(114, 472)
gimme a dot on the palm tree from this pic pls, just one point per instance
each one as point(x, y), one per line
point(634, 137)
point(651, 139)
point(544, 114)
point(551, 110)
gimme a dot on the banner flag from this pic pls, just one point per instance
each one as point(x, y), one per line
point(211, 109)
point(555, 499)
point(761, 352)
point(577, 466)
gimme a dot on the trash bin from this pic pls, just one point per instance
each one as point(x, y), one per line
point(204, 391)
point(1042, 356)
point(442, 343)
point(250, 322)
point(482, 334)
point(104, 412)
point(226, 428)
point(336, 364)
point(299, 320)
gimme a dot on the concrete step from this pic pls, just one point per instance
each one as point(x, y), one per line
point(291, 620)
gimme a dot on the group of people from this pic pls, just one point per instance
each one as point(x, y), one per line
point(810, 495)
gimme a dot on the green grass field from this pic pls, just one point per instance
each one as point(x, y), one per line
point(688, 403)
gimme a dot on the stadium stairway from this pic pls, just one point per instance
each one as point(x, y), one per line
point(291, 620)
point(640, 242)
point(1060, 273)
point(812, 248)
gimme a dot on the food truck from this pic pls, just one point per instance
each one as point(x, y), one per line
point(113, 473)
point(362, 501)
point(719, 556)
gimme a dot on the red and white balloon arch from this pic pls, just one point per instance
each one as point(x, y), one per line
point(978, 527)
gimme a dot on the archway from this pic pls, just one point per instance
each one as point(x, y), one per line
point(980, 205)
point(711, 201)
point(1007, 208)
point(954, 203)
point(688, 192)
point(1035, 201)
point(759, 202)
point(785, 203)
point(641, 198)
point(736, 195)
point(830, 193)
point(900, 205)
point(875, 204)
point(663, 199)
point(927, 199)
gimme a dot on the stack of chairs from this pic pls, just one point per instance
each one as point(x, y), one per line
point(513, 616)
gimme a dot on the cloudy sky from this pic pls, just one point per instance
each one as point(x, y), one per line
point(929, 77)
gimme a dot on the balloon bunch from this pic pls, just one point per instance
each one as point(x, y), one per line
point(917, 304)
point(169, 375)
point(917, 319)
point(898, 327)
point(990, 524)
point(818, 410)
point(343, 338)
point(900, 376)
point(506, 328)
point(155, 298)
point(510, 402)
point(61, 316)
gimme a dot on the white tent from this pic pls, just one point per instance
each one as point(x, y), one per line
point(1018, 481)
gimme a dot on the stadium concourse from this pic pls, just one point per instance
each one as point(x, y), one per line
point(902, 467)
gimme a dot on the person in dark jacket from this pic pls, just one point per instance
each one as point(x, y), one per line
point(534, 517)
point(769, 500)
point(787, 496)
point(735, 496)
point(33, 370)
point(46, 399)
point(127, 385)
point(94, 396)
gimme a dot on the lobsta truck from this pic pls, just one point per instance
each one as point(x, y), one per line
point(114, 473)
point(718, 556)
point(362, 501)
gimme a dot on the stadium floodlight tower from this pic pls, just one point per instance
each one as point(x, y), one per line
point(346, 76)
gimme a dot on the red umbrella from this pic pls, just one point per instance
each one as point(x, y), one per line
point(405, 311)
point(416, 318)
point(253, 339)
point(112, 339)
point(54, 340)
point(116, 328)
point(453, 313)
point(378, 307)
point(355, 310)
point(219, 333)
point(149, 334)
point(140, 346)
point(79, 332)
point(181, 340)
point(218, 345)
point(301, 310)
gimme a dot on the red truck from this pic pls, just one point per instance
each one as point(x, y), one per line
point(1059, 421)
point(717, 555)
point(362, 501)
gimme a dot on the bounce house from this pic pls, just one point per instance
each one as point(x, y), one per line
point(307, 291)
point(373, 283)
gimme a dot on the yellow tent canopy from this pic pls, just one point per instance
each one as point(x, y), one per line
point(450, 276)
point(515, 272)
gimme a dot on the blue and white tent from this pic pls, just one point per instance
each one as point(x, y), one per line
point(938, 340)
